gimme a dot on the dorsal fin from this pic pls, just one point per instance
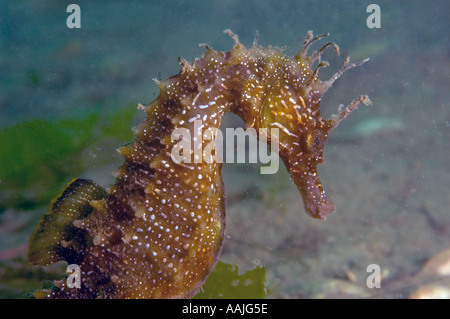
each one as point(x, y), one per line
point(55, 238)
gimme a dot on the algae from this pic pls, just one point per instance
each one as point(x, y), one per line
point(225, 282)
point(38, 156)
point(19, 280)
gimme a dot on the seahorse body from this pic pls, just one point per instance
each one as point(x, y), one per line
point(158, 231)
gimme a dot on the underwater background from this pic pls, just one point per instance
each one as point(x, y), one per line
point(68, 99)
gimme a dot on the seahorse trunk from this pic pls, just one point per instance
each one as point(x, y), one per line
point(168, 216)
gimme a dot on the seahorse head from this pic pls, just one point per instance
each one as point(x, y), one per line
point(302, 133)
point(285, 93)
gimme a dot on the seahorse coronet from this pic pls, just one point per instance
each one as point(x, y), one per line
point(158, 231)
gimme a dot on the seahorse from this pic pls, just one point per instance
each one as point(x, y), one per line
point(158, 231)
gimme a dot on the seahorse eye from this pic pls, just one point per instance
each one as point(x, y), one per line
point(310, 142)
point(317, 141)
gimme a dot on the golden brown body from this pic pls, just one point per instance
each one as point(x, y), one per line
point(159, 230)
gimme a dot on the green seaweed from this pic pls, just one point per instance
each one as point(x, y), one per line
point(37, 157)
point(19, 280)
point(225, 282)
